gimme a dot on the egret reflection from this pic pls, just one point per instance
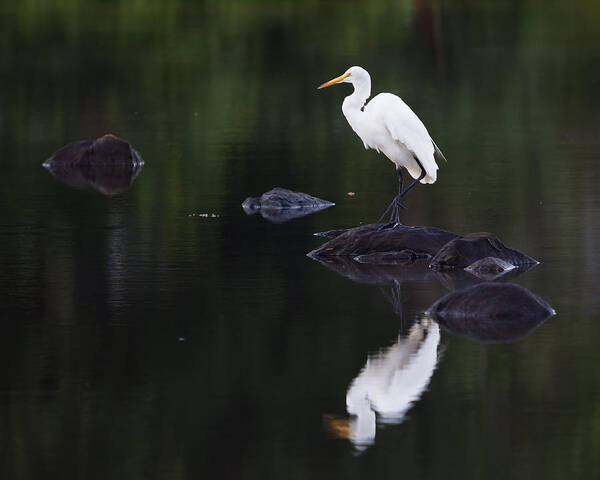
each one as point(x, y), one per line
point(388, 385)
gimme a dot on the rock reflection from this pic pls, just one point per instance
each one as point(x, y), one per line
point(374, 274)
point(389, 278)
point(408, 268)
point(462, 278)
point(491, 312)
point(108, 165)
point(388, 385)
point(394, 378)
point(285, 215)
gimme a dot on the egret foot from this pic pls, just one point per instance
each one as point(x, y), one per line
point(388, 226)
point(393, 210)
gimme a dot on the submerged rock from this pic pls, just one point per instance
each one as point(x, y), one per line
point(107, 164)
point(462, 252)
point(491, 312)
point(384, 243)
point(280, 205)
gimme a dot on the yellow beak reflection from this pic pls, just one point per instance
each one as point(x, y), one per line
point(337, 426)
point(334, 81)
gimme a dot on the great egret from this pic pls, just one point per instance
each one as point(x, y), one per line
point(388, 125)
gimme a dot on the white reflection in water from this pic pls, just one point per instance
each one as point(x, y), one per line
point(390, 382)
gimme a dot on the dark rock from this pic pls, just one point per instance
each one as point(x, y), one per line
point(331, 233)
point(251, 205)
point(389, 241)
point(491, 312)
point(280, 205)
point(107, 164)
point(104, 150)
point(403, 257)
point(464, 251)
point(283, 199)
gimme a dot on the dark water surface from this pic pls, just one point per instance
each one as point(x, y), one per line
point(144, 339)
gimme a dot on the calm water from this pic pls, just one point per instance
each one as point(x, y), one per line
point(142, 339)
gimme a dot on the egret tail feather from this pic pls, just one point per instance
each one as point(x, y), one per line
point(437, 150)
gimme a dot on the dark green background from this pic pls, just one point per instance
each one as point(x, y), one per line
point(143, 341)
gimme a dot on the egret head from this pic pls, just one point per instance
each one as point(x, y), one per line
point(355, 75)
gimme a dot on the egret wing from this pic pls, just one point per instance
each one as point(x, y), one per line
point(405, 127)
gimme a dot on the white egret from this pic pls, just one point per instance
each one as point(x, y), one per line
point(388, 125)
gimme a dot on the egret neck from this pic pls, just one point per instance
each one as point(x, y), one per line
point(353, 104)
point(363, 424)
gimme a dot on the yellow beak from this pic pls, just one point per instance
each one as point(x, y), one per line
point(334, 81)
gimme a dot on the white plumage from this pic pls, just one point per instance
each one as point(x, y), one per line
point(409, 135)
point(387, 125)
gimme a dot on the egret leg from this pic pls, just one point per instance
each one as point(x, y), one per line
point(421, 177)
point(396, 205)
point(400, 180)
point(394, 208)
